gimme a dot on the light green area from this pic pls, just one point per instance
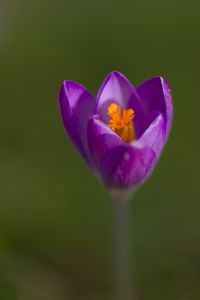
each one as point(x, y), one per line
point(55, 218)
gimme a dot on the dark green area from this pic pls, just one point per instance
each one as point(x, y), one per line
point(55, 218)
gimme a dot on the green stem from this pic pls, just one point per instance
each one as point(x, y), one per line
point(122, 259)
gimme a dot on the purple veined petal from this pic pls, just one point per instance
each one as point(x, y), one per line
point(155, 95)
point(100, 139)
point(117, 88)
point(120, 164)
point(77, 105)
point(127, 166)
point(155, 134)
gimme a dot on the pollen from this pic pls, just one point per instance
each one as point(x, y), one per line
point(121, 122)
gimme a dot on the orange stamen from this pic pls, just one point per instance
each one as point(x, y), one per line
point(120, 123)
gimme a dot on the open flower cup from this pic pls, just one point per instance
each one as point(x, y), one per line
point(121, 132)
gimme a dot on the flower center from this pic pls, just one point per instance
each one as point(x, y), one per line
point(122, 122)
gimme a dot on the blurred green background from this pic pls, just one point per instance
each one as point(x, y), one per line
point(56, 221)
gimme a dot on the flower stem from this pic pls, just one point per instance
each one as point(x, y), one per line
point(122, 263)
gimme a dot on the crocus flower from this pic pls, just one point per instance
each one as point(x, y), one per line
point(121, 132)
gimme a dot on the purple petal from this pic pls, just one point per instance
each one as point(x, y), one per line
point(155, 134)
point(156, 96)
point(100, 139)
point(127, 166)
point(116, 88)
point(121, 164)
point(77, 105)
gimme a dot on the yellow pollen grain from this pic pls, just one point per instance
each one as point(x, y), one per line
point(122, 123)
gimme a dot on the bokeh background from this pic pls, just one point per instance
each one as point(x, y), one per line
point(56, 221)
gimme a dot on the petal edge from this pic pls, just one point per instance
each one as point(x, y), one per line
point(76, 105)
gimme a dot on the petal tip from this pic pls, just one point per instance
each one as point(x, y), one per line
point(115, 74)
point(118, 75)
